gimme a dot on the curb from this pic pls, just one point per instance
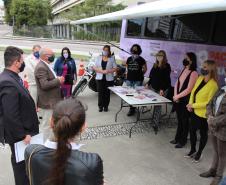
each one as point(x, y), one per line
point(84, 42)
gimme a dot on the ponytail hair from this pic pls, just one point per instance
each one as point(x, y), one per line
point(68, 118)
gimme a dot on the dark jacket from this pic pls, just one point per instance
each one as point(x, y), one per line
point(48, 87)
point(71, 72)
point(17, 109)
point(218, 123)
point(160, 78)
point(82, 168)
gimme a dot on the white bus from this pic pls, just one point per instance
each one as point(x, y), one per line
point(176, 26)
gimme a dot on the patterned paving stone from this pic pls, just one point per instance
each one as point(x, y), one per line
point(113, 130)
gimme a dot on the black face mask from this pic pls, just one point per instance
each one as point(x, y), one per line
point(204, 72)
point(185, 62)
point(135, 52)
point(51, 59)
point(21, 69)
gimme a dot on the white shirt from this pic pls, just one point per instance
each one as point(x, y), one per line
point(53, 145)
point(219, 99)
point(51, 69)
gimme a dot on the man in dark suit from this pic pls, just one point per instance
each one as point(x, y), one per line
point(17, 109)
point(48, 89)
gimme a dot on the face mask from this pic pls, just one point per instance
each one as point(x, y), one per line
point(159, 58)
point(105, 53)
point(65, 55)
point(135, 52)
point(21, 69)
point(185, 62)
point(204, 72)
point(36, 54)
point(51, 59)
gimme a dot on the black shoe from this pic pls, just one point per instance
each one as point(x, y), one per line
point(173, 142)
point(191, 154)
point(197, 157)
point(105, 109)
point(100, 109)
point(209, 173)
point(131, 112)
point(156, 128)
point(179, 145)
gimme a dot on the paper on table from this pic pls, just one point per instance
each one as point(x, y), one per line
point(21, 146)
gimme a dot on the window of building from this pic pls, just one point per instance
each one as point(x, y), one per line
point(134, 27)
point(158, 27)
point(195, 27)
point(220, 29)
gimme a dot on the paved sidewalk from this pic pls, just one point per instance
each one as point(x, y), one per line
point(145, 159)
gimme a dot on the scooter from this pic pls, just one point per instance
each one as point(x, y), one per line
point(87, 79)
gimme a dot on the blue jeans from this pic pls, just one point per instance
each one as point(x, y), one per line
point(133, 83)
point(223, 182)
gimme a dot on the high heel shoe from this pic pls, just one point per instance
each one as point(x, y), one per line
point(191, 154)
point(197, 158)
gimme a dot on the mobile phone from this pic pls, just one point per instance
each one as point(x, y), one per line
point(129, 95)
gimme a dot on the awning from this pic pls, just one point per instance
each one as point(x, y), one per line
point(159, 8)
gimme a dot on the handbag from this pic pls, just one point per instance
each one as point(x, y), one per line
point(29, 171)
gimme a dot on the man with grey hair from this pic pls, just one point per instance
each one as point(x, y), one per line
point(48, 88)
point(28, 75)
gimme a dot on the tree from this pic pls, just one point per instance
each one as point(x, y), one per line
point(91, 8)
point(30, 12)
point(7, 4)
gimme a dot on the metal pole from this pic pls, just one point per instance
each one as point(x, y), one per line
point(13, 23)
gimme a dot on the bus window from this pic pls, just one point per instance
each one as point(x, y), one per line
point(134, 27)
point(157, 27)
point(193, 28)
point(220, 29)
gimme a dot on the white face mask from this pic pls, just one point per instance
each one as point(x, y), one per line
point(105, 53)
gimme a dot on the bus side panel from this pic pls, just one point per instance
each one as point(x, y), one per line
point(175, 53)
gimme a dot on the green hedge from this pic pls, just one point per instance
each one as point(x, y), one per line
point(43, 32)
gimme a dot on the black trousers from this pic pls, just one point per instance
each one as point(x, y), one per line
point(183, 123)
point(103, 92)
point(198, 123)
point(19, 169)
